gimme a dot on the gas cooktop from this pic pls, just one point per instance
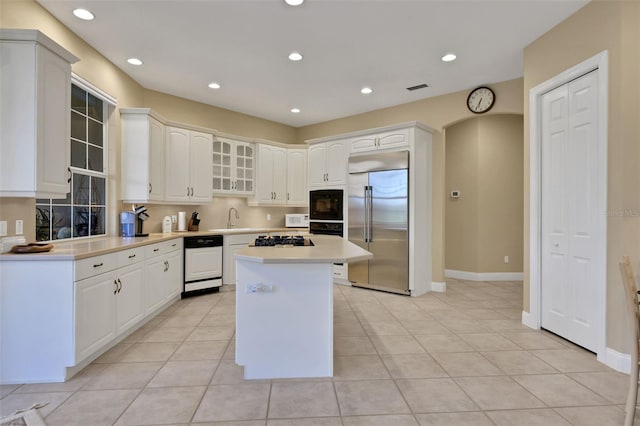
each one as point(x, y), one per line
point(281, 240)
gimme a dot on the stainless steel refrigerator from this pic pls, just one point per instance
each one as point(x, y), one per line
point(378, 220)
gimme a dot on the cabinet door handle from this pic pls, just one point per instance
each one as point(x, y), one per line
point(97, 265)
point(174, 244)
point(156, 249)
point(187, 191)
point(168, 265)
point(287, 196)
point(116, 284)
point(119, 285)
point(131, 256)
point(150, 188)
point(69, 170)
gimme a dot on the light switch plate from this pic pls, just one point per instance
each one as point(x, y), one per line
point(19, 227)
point(3, 228)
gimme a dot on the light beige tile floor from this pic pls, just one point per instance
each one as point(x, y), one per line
point(455, 358)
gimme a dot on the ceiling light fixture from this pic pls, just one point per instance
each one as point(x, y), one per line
point(295, 56)
point(449, 57)
point(295, 110)
point(214, 85)
point(83, 14)
point(134, 61)
point(294, 2)
point(366, 90)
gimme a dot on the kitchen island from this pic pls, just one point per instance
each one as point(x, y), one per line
point(284, 307)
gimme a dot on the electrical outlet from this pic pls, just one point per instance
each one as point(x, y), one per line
point(174, 218)
point(3, 228)
point(506, 259)
point(268, 216)
point(19, 227)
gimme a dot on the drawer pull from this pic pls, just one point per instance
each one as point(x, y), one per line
point(98, 265)
point(174, 244)
point(116, 284)
point(132, 256)
point(119, 285)
point(156, 249)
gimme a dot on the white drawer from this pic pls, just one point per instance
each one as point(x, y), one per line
point(163, 247)
point(339, 271)
point(95, 265)
point(130, 256)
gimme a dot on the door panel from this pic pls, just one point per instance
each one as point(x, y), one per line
point(358, 271)
point(569, 209)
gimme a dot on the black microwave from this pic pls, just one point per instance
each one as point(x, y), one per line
point(325, 204)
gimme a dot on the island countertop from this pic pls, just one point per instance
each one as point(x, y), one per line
point(326, 249)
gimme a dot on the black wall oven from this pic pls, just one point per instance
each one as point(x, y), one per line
point(325, 204)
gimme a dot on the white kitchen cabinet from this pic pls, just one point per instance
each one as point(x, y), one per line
point(130, 297)
point(142, 156)
point(327, 164)
point(386, 140)
point(233, 167)
point(231, 245)
point(163, 273)
point(35, 83)
point(297, 194)
point(188, 166)
point(271, 182)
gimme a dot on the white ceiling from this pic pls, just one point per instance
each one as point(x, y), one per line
point(388, 45)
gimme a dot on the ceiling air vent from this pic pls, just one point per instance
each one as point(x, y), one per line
point(418, 87)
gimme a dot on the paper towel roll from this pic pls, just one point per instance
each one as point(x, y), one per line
point(182, 221)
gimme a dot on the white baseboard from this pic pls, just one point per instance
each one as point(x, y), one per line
point(484, 276)
point(616, 360)
point(528, 320)
point(438, 287)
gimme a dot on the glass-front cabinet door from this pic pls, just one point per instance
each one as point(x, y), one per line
point(233, 167)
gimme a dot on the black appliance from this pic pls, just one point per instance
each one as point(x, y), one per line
point(326, 228)
point(285, 240)
point(326, 204)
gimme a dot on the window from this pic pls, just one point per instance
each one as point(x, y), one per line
point(83, 212)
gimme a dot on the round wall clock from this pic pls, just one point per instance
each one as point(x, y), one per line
point(480, 100)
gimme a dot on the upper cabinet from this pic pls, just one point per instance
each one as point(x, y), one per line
point(188, 166)
point(297, 194)
point(271, 184)
point(143, 156)
point(35, 83)
point(386, 140)
point(233, 167)
point(327, 164)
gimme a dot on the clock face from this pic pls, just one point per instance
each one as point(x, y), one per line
point(481, 100)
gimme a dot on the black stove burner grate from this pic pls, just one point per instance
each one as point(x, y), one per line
point(284, 240)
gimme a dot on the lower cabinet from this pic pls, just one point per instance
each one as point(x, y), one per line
point(231, 245)
point(164, 274)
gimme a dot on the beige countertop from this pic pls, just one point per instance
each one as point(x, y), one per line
point(82, 249)
point(326, 249)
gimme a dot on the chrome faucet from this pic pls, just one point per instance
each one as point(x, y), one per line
point(229, 224)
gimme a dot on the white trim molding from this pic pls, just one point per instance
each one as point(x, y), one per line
point(438, 286)
point(598, 62)
point(484, 276)
point(527, 320)
point(617, 360)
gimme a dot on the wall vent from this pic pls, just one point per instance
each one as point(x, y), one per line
point(418, 87)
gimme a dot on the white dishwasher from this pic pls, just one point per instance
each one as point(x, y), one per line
point(202, 264)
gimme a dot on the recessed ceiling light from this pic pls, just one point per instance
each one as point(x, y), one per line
point(134, 61)
point(214, 85)
point(366, 90)
point(83, 14)
point(449, 57)
point(295, 110)
point(295, 56)
point(294, 2)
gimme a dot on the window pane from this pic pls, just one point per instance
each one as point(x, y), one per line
point(43, 213)
point(95, 133)
point(61, 222)
point(95, 158)
point(78, 126)
point(94, 107)
point(78, 99)
point(81, 221)
point(98, 191)
point(78, 154)
point(97, 221)
point(80, 190)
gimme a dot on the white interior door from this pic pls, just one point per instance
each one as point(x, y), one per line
point(569, 209)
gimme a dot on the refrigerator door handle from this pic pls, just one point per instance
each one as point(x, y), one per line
point(370, 214)
point(365, 227)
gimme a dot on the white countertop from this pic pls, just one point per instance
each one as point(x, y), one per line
point(326, 249)
point(82, 249)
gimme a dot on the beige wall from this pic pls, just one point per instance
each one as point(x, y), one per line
point(484, 162)
point(612, 26)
